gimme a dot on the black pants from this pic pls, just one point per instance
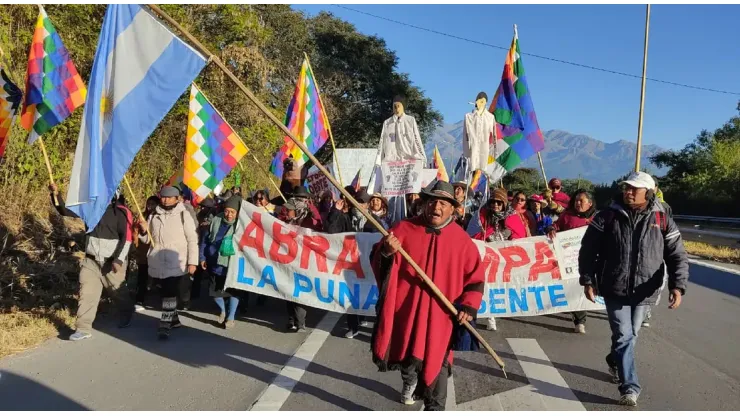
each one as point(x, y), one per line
point(353, 322)
point(439, 390)
point(296, 315)
point(183, 291)
point(579, 317)
point(171, 288)
point(198, 277)
point(142, 280)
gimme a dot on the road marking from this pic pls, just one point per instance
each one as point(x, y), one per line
point(714, 266)
point(554, 392)
point(273, 398)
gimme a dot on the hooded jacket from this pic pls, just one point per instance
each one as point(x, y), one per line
point(622, 254)
point(175, 242)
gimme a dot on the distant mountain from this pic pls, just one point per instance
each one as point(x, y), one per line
point(566, 155)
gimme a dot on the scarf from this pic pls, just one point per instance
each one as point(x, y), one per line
point(216, 223)
point(301, 211)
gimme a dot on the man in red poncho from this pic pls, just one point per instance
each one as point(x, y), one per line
point(413, 330)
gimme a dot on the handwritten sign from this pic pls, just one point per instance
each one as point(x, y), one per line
point(401, 178)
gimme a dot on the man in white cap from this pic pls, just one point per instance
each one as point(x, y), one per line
point(620, 259)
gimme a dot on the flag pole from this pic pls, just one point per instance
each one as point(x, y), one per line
point(138, 208)
point(263, 170)
point(328, 125)
point(642, 91)
point(542, 167)
point(427, 281)
point(48, 166)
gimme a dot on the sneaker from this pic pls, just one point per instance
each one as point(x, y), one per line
point(408, 394)
point(292, 327)
point(646, 324)
point(365, 324)
point(163, 334)
point(628, 399)
point(229, 324)
point(139, 308)
point(301, 329)
point(351, 334)
point(79, 336)
point(491, 324)
point(614, 371)
point(580, 329)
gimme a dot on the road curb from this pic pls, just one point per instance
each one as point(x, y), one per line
point(714, 266)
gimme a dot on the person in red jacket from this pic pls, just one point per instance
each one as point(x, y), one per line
point(521, 223)
point(580, 212)
point(560, 197)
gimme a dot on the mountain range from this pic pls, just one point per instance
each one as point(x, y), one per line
point(566, 155)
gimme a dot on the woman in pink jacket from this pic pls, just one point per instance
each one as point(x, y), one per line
point(521, 223)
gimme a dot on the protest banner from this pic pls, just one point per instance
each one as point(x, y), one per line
point(318, 183)
point(428, 176)
point(353, 160)
point(402, 177)
point(332, 271)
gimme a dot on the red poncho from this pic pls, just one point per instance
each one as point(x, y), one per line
point(413, 327)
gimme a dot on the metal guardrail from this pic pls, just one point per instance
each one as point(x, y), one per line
point(719, 220)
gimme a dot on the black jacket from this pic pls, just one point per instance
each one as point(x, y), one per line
point(622, 254)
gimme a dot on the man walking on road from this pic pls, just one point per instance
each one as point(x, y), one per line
point(621, 259)
point(174, 253)
point(413, 332)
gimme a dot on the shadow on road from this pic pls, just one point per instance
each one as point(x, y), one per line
point(718, 280)
point(18, 393)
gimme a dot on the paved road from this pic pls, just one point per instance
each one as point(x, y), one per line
point(688, 360)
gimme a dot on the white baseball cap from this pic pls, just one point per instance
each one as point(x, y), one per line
point(640, 180)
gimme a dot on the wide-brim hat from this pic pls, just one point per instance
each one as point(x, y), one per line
point(538, 198)
point(441, 190)
point(300, 192)
point(382, 198)
point(463, 185)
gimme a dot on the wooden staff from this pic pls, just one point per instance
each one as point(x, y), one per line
point(328, 126)
point(542, 167)
point(48, 167)
point(267, 174)
point(138, 208)
point(642, 91)
point(427, 281)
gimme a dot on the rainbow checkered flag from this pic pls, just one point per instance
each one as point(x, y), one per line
point(519, 134)
point(10, 102)
point(212, 147)
point(54, 89)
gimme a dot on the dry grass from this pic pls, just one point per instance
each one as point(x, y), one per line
point(21, 330)
point(711, 252)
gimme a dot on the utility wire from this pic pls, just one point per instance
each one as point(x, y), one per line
point(534, 55)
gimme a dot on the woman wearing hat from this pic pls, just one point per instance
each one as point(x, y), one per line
point(560, 197)
point(215, 249)
point(535, 207)
point(379, 207)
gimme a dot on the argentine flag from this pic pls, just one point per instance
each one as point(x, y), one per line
point(139, 72)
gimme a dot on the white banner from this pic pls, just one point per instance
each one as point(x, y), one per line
point(428, 176)
point(318, 182)
point(352, 160)
point(332, 271)
point(401, 178)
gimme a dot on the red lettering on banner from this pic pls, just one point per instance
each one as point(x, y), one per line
point(318, 245)
point(258, 241)
point(490, 264)
point(278, 240)
point(349, 249)
point(545, 262)
point(514, 256)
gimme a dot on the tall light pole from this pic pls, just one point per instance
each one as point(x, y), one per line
point(642, 93)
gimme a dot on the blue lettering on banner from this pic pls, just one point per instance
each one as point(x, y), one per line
point(493, 301)
point(330, 290)
point(482, 308)
point(306, 287)
point(240, 278)
point(345, 293)
point(555, 297)
point(520, 301)
point(268, 276)
point(372, 298)
point(537, 290)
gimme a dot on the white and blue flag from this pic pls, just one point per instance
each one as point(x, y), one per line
point(140, 70)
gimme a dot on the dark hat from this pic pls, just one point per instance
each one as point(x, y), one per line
point(208, 203)
point(500, 194)
point(441, 190)
point(233, 202)
point(400, 98)
point(300, 192)
point(460, 184)
point(169, 192)
point(350, 190)
point(481, 95)
point(362, 196)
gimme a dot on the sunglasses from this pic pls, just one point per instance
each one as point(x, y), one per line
point(521, 199)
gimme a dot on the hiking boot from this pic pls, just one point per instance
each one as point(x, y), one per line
point(580, 329)
point(408, 394)
point(163, 334)
point(79, 336)
point(351, 334)
point(229, 324)
point(628, 399)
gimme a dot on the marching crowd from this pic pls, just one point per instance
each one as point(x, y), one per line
point(628, 250)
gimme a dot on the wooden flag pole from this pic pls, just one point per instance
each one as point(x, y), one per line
point(642, 91)
point(542, 167)
point(427, 281)
point(328, 125)
point(267, 174)
point(138, 208)
point(48, 167)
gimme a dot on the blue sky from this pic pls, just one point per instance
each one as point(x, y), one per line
point(695, 45)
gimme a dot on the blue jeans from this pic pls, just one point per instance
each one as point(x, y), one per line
point(625, 322)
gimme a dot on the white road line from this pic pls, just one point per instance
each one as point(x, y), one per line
point(554, 392)
point(273, 398)
point(714, 266)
